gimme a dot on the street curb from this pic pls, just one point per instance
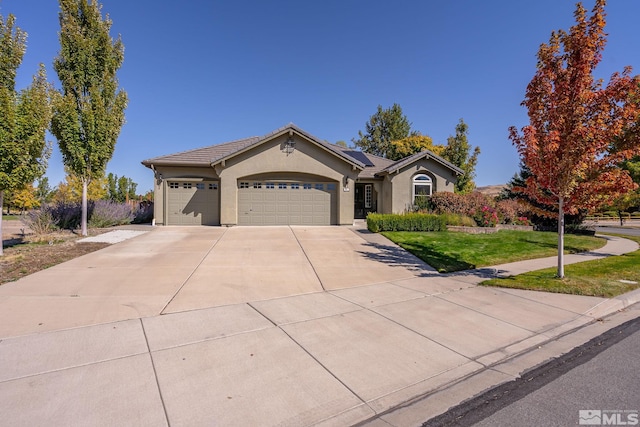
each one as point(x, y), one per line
point(613, 305)
point(476, 409)
point(420, 409)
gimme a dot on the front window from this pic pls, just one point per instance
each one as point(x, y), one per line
point(422, 188)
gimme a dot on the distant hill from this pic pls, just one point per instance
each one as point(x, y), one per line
point(491, 190)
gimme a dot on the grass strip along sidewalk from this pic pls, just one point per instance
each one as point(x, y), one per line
point(606, 277)
point(448, 252)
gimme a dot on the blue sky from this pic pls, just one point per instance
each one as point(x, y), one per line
point(210, 71)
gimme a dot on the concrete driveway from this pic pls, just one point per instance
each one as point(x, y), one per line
point(263, 326)
point(175, 269)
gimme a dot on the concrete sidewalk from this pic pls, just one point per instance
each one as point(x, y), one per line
point(271, 326)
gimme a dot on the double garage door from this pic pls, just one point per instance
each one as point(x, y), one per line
point(193, 203)
point(286, 203)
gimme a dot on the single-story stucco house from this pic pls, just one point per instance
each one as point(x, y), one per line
point(289, 177)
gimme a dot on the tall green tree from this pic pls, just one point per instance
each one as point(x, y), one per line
point(385, 126)
point(24, 116)
point(120, 189)
point(44, 192)
point(89, 111)
point(458, 152)
point(401, 148)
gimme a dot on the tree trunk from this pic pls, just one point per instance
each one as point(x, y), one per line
point(1, 241)
point(561, 238)
point(83, 221)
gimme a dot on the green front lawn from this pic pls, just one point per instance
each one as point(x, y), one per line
point(606, 277)
point(448, 251)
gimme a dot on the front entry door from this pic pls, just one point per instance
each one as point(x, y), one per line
point(363, 201)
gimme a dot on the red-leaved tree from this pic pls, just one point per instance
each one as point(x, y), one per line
point(574, 120)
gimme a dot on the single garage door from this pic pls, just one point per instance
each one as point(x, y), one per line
point(193, 203)
point(286, 203)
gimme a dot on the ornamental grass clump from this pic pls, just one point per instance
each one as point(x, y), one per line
point(40, 221)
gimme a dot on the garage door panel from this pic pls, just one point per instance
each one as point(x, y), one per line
point(286, 204)
point(193, 203)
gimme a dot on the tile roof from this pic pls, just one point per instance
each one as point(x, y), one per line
point(373, 164)
point(370, 164)
point(213, 154)
point(201, 156)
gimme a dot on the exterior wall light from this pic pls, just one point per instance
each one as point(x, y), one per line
point(290, 145)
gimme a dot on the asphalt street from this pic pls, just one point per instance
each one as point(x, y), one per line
point(619, 230)
point(597, 381)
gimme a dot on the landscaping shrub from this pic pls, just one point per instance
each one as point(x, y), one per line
point(459, 220)
point(105, 213)
point(579, 229)
point(405, 222)
point(143, 213)
point(66, 215)
point(40, 221)
point(449, 203)
point(421, 204)
point(482, 208)
point(486, 216)
point(512, 212)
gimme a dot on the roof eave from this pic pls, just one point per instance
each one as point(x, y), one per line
point(426, 154)
point(150, 163)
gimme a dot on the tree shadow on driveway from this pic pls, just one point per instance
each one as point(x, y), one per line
point(396, 256)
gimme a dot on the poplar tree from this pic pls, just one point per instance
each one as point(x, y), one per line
point(24, 117)
point(89, 111)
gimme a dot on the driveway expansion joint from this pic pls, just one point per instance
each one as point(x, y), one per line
point(155, 373)
point(193, 271)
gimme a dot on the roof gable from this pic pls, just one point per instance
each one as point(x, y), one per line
point(426, 154)
point(290, 128)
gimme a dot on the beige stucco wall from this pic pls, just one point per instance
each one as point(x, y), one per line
point(398, 186)
point(271, 158)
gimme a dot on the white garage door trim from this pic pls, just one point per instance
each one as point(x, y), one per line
point(280, 202)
